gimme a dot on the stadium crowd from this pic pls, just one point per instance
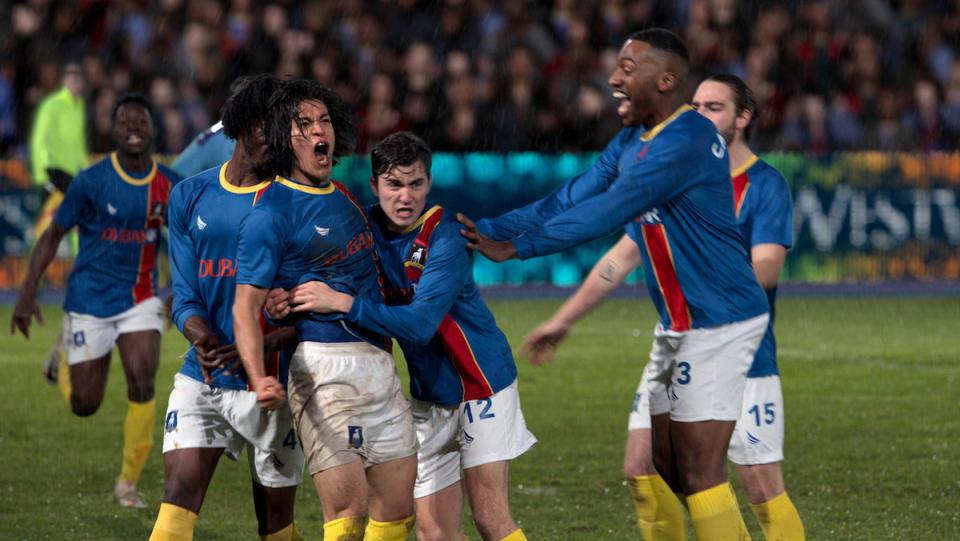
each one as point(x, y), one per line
point(496, 75)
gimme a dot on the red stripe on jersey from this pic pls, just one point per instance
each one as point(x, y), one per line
point(259, 192)
point(655, 238)
point(741, 183)
point(158, 193)
point(475, 384)
point(423, 239)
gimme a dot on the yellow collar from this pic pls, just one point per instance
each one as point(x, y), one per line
point(652, 132)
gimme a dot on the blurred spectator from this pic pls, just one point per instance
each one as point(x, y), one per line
point(58, 140)
point(924, 120)
point(378, 117)
point(841, 58)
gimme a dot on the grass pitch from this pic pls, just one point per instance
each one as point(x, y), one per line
point(873, 432)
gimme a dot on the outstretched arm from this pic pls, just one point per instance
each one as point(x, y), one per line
point(26, 307)
point(612, 269)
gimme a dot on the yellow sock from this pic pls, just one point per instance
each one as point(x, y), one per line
point(517, 535)
point(288, 533)
point(343, 529)
point(137, 438)
point(715, 514)
point(63, 374)
point(174, 523)
point(659, 513)
point(779, 519)
point(398, 530)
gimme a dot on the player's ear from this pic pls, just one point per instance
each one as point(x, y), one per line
point(429, 182)
point(667, 81)
point(743, 119)
point(373, 186)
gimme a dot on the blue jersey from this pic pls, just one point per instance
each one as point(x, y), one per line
point(204, 218)
point(670, 186)
point(762, 201)
point(118, 217)
point(208, 149)
point(297, 233)
point(453, 347)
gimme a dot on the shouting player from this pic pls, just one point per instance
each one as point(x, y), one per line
point(665, 177)
point(352, 419)
point(462, 375)
point(118, 205)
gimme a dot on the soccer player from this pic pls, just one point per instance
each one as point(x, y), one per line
point(352, 418)
point(211, 412)
point(462, 375)
point(762, 204)
point(118, 205)
point(665, 177)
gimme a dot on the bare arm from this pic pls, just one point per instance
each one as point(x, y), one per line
point(767, 263)
point(246, 328)
point(26, 307)
point(612, 269)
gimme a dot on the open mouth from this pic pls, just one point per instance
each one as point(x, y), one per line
point(134, 139)
point(320, 150)
point(624, 106)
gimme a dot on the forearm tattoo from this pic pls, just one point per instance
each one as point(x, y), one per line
point(608, 270)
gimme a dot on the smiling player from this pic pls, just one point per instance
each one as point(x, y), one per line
point(665, 178)
point(118, 205)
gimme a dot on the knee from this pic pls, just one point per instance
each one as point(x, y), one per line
point(431, 531)
point(82, 405)
point(637, 465)
point(493, 525)
point(141, 390)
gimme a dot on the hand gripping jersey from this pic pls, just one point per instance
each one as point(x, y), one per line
point(118, 216)
point(764, 211)
point(453, 347)
point(670, 187)
point(204, 219)
point(297, 233)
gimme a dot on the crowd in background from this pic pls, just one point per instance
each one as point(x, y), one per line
point(492, 75)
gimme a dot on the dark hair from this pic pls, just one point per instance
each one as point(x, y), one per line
point(248, 103)
point(283, 109)
point(743, 99)
point(401, 148)
point(132, 97)
point(664, 40)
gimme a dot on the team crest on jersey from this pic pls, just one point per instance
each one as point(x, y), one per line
point(355, 436)
point(416, 254)
point(172, 421)
point(650, 217)
point(79, 339)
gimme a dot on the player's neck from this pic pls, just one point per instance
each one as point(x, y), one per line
point(304, 178)
point(240, 170)
point(663, 110)
point(740, 154)
point(135, 163)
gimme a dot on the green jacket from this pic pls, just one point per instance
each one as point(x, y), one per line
point(58, 139)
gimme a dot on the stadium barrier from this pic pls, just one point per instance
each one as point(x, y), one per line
point(857, 217)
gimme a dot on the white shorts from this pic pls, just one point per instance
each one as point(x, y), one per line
point(698, 375)
point(467, 435)
point(758, 436)
point(200, 416)
point(91, 337)
point(640, 410)
point(347, 404)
